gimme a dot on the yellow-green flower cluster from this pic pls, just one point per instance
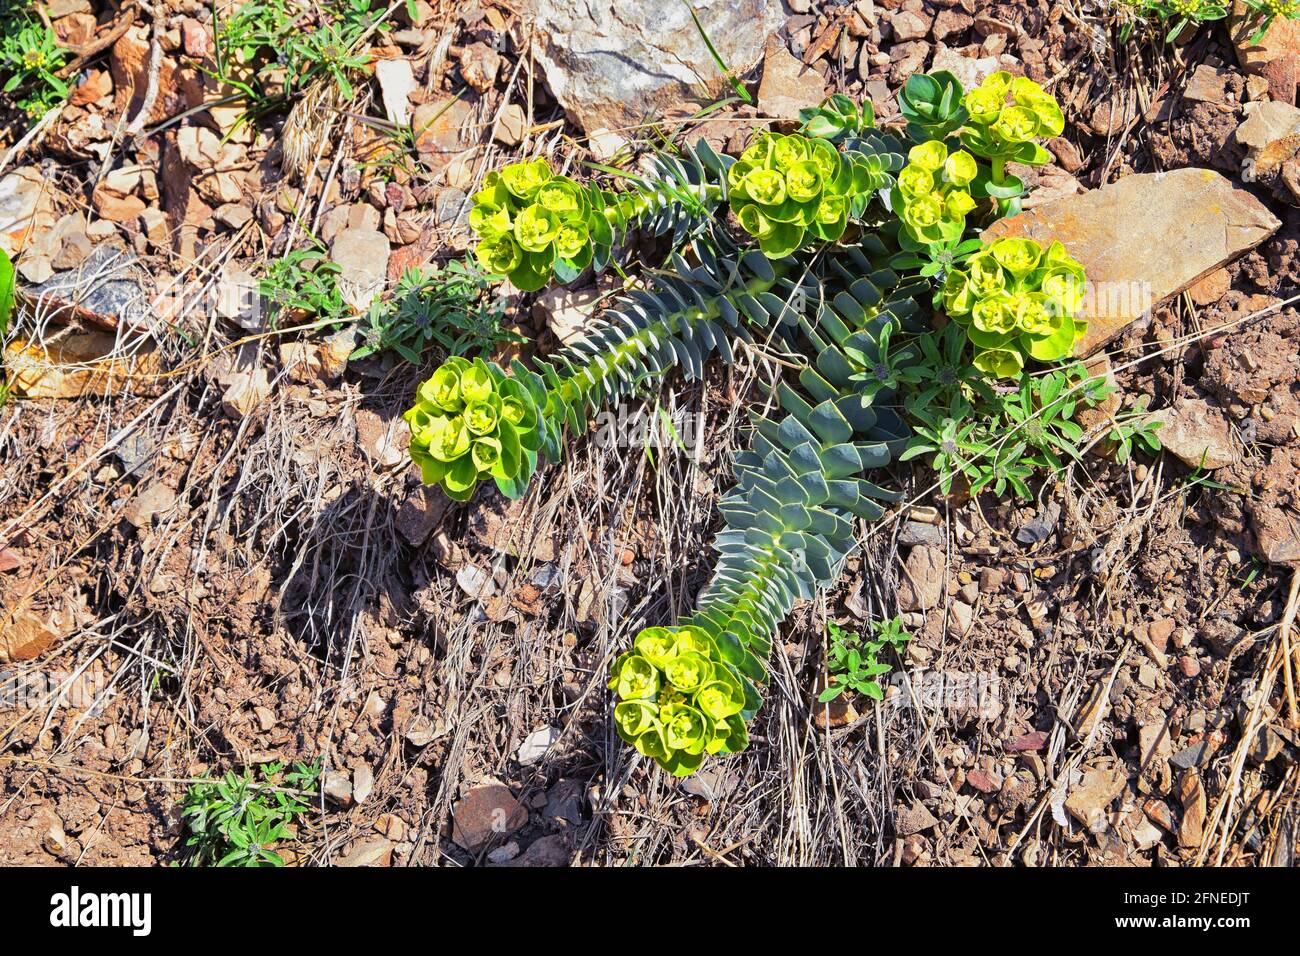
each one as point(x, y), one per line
point(784, 188)
point(678, 700)
point(470, 422)
point(1006, 115)
point(1016, 299)
point(531, 222)
point(932, 194)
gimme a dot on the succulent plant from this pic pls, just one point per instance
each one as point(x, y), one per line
point(678, 699)
point(837, 117)
point(932, 105)
point(1017, 300)
point(1002, 131)
point(846, 302)
point(787, 188)
point(532, 224)
point(471, 422)
point(932, 193)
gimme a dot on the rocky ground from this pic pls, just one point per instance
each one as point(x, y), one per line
point(210, 529)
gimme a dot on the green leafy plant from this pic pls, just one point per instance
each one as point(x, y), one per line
point(238, 819)
point(303, 284)
point(819, 245)
point(786, 188)
point(679, 698)
point(1017, 301)
point(30, 59)
point(471, 422)
point(446, 307)
point(6, 292)
point(853, 662)
point(271, 50)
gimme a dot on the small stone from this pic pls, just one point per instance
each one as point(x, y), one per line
point(961, 617)
point(983, 782)
point(1089, 801)
point(396, 80)
point(908, 25)
point(265, 718)
point(913, 819)
point(950, 21)
point(362, 257)
point(536, 744)
point(476, 582)
point(338, 787)
point(484, 814)
point(363, 782)
point(512, 126)
point(788, 86)
point(479, 65)
point(1158, 812)
point(921, 585)
point(504, 853)
point(992, 579)
point(1208, 85)
point(247, 390)
point(1026, 743)
point(1191, 828)
point(566, 311)
point(605, 144)
point(1197, 433)
point(1189, 666)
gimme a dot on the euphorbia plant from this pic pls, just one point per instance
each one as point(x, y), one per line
point(838, 238)
point(1015, 301)
point(471, 422)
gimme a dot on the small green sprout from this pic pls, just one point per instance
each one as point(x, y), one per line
point(853, 662)
point(30, 61)
point(238, 819)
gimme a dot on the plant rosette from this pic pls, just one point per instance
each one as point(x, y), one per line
point(678, 700)
point(1016, 300)
point(787, 188)
point(470, 422)
point(1005, 116)
point(533, 224)
point(932, 194)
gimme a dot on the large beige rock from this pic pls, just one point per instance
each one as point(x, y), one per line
point(618, 63)
point(1144, 239)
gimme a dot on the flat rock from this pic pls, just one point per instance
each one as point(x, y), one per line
point(485, 813)
point(536, 745)
point(788, 86)
point(921, 584)
point(362, 255)
point(396, 81)
point(615, 63)
point(1276, 56)
point(913, 819)
point(1197, 433)
point(1271, 134)
point(1088, 801)
point(1145, 238)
